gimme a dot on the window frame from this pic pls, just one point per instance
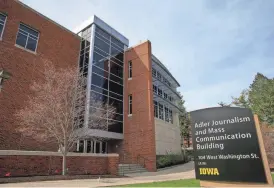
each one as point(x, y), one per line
point(38, 37)
point(130, 70)
point(156, 109)
point(154, 73)
point(155, 89)
point(130, 105)
point(161, 111)
point(160, 92)
point(4, 26)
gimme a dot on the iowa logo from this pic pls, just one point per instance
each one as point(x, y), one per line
point(209, 171)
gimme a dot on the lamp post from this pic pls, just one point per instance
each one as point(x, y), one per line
point(4, 75)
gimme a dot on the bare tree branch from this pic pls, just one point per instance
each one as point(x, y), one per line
point(56, 111)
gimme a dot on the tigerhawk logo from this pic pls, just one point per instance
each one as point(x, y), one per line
point(209, 171)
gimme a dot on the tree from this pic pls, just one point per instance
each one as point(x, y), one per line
point(222, 104)
point(242, 100)
point(184, 120)
point(259, 98)
point(56, 110)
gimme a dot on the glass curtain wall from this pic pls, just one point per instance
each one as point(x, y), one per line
point(84, 56)
point(107, 76)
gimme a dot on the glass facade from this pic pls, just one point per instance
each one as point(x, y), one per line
point(107, 69)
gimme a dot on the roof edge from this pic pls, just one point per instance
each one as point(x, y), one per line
point(164, 67)
point(103, 25)
point(47, 18)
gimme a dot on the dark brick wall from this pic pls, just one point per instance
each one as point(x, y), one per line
point(139, 129)
point(55, 44)
point(23, 165)
point(268, 137)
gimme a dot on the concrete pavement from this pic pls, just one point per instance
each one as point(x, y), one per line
point(184, 171)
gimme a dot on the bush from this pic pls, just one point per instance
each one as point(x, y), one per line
point(169, 160)
point(189, 154)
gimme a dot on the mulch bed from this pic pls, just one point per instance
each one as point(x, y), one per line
point(52, 178)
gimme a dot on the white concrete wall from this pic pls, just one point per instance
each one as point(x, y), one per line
point(168, 138)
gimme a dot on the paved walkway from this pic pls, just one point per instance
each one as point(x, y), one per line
point(185, 171)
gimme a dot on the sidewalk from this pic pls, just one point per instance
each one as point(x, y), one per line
point(163, 175)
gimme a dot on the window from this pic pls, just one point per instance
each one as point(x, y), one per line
point(166, 81)
point(165, 95)
point(159, 76)
point(170, 98)
point(170, 116)
point(166, 114)
point(155, 89)
point(161, 111)
point(153, 72)
point(3, 19)
point(130, 104)
point(156, 109)
point(130, 69)
point(27, 38)
point(160, 92)
point(81, 146)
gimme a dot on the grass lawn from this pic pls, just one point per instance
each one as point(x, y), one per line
point(174, 183)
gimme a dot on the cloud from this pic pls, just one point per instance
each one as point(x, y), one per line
point(213, 48)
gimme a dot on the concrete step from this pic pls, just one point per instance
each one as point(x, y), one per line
point(131, 168)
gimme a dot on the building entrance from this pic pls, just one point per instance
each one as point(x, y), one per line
point(91, 146)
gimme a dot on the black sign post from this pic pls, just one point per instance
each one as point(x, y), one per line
point(226, 146)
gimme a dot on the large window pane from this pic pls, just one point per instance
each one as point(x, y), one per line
point(156, 109)
point(118, 59)
point(117, 43)
point(21, 40)
point(114, 126)
point(81, 146)
point(166, 114)
point(116, 96)
point(115, 51)
point(28, 30)
point(115, 116)
point(102, 33)
point(31, 44)
point(116, 79)
point(99, 71)
point(2, 18)
point(101, 62)
point(161, 111)
point(116, 104)
point(101, 45)
point(1, 29)
point(98, 98)
point(116, 69)
point(97, 147)
point(27, 37)
point(104, 147)
point(116, 88)
point(99, 90)
point(99, 81)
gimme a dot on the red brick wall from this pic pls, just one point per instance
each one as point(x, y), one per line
point(55, 44)
point(268, 137)
point(139, 129)
point(24, 165)
point(113, 163)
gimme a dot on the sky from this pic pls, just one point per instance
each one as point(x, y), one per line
point(214, 48)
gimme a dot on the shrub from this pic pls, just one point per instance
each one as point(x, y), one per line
point(169, 159)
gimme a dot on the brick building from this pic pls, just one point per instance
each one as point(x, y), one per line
point(141, 88)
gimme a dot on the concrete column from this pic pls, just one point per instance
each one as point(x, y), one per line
point(78, 145)
point(101, 147)
point(91, 146)
point(85, 146)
